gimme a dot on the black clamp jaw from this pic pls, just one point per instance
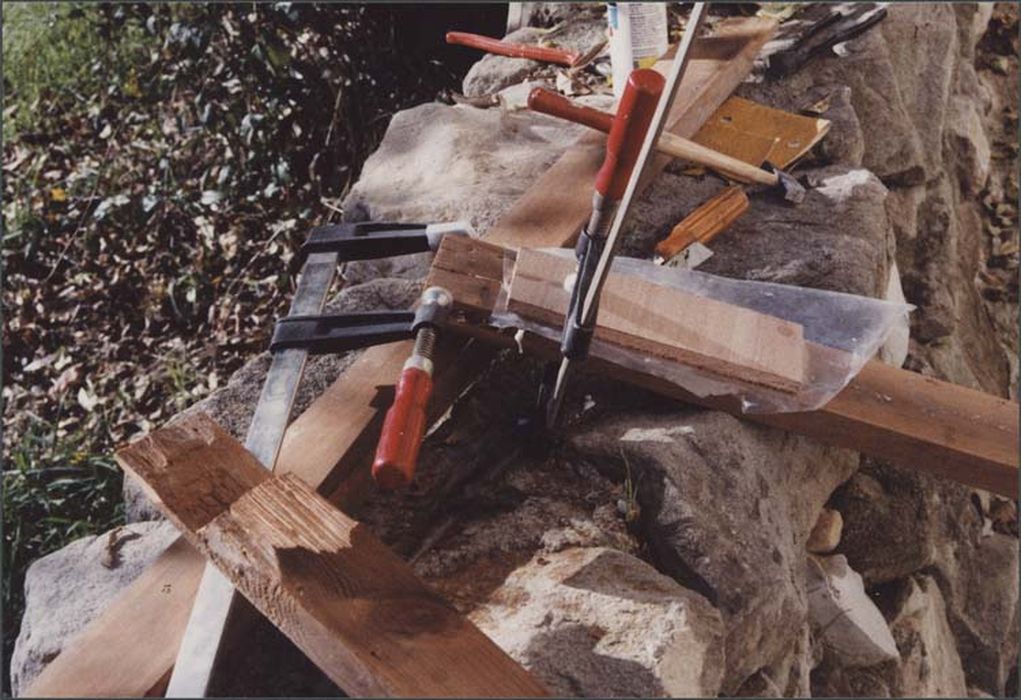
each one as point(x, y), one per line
point(334, 333)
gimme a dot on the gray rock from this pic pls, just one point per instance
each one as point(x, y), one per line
point(67, 589)
point(601, 623)
point(442, 163)
point(841, 237)
point(904, 510)
point(895, 350)
point(936, 526)
point(930, 665)
point(493, 73)
point(967, 137)
point(927, 662)
point(921, 41)
point(844, 143)
point(843, 617)
point(980, 585)
point(726, 508)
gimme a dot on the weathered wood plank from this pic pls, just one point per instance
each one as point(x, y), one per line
point(354, 607)
point(343, 425)
point(732, 342)
point(918, 422)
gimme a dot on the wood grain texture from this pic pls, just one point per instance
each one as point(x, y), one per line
point(355, 608)
point(755, 133)
point(914, 421)
point(339, 432)
point(733, 343)
point(705, 222)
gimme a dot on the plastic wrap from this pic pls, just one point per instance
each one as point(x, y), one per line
point(842, 332)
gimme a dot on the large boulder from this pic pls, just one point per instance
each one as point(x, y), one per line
point(727, 508)
point(595, 622)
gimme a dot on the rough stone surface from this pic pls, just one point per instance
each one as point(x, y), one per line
point(843, 617)
point(938, 526)
point(930, 666)
point(927, 663)
point(65, 590)
point(596, 622)
point(726, 508)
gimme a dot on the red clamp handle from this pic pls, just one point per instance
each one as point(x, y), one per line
point(634, 114)
point(556, 105)
point(403, 430)
point(508, 48)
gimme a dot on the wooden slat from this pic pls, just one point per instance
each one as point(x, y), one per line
point(756, 133)
point(338, 432)
point(918, 422)
point(705, 222)
point(732, 342)
point(354, 607)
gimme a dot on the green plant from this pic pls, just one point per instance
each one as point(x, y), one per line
point(55, 490)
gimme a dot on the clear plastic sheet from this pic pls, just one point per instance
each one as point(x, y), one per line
point(843, 331)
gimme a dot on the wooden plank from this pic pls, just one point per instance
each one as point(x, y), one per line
point(354, 607)
point(340, 426)
point(917, 422)
point(731, 342)
point(756, 133)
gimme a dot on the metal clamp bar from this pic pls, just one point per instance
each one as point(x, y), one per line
point(341, 332)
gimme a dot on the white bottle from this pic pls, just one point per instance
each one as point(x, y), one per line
point(638, 38)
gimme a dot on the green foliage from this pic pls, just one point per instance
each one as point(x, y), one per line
point(55, 490)
point(56, 48)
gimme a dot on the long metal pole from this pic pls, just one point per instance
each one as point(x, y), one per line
point(216, 602)
point(590, 303)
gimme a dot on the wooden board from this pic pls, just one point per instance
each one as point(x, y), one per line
point(914, 421)
point(339, 431)
point(728, 341)
point(354, 607)
point(756, 133)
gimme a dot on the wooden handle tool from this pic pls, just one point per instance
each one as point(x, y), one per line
point(555, 104)
point(706, 222)
point(508, 48)
point(405, 423)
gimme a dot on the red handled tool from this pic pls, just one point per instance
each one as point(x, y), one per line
point(509, 48)
point(405, 422)
point(633, 137)
point(623, 145)
point(556, 105)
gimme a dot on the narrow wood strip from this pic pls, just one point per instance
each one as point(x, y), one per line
point(348, 602)
point(708, 220)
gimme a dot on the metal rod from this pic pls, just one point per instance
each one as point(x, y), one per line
point(589, 304)
point(216, 601)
